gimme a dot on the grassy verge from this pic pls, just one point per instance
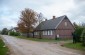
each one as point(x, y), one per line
point(41, 40)
point(77, 46)
point(3, 49)
point(37, 39)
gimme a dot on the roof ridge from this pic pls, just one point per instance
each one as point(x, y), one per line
point(61, 20)
point(56, 17)
point(51, 23)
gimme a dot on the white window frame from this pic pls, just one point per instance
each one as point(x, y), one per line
point(50, 32)
point(44, 32)
point(36, 33)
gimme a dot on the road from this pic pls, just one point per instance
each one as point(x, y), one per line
point(28, 47)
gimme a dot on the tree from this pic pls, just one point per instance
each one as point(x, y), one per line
point(4, 31)
point(22, 27)
point(75, 25)
point(40, 19)
point(77, 33)
point(27, 21)
point(83, 37)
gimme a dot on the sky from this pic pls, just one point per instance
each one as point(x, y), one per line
point(10, 10)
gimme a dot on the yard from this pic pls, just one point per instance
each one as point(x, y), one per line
point(36, 48)
point(68, 43)
point(42, 40)
point(3, 49)
point(77, 46)
point(37, 39)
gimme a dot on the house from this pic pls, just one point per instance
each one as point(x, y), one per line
point(59, 27)
point(15, 29)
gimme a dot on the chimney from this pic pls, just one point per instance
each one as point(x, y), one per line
point(54, 17)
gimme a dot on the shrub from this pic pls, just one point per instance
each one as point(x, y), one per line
point(16, 34)
point(78, 33)
point(12, 33)
point(83, 37)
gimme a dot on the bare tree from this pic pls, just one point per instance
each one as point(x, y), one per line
point(75, 25)
point(40, 19)
point(27, 21)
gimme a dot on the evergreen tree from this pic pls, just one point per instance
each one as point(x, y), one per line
point(83, 37)
point(4, 31)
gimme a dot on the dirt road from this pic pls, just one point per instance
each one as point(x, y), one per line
point(28, 47)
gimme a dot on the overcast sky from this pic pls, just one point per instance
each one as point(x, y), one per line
point(10, 10)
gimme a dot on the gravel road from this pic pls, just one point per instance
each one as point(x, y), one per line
point(28, 47)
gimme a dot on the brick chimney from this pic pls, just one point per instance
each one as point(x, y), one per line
point(54, 17)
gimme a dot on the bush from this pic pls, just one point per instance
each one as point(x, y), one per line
point(83, 41)
point(17, 34)
point(83, 37)
point(78, 33)
point(12, 33)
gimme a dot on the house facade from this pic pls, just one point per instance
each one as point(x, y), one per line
point(59, 27)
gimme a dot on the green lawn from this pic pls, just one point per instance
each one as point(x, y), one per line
point(37, 39)
point(3, 50)
point(41, 40)
point(77, 46)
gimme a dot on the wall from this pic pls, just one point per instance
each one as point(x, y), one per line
point(46, 36)
point(65, 31)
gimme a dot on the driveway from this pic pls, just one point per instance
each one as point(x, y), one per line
point(28, 47)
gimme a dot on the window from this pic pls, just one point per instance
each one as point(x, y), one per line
point(44, 32)
point(36, 33)
point(65, 23)
point(50, 32)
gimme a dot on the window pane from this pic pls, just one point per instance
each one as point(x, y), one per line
point(51, 33)
point(65, 23)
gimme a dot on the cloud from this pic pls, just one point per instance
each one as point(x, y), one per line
point(79, 1)
point(8, 18)
point(77, 13)
point(58, 8)
point(10, 10)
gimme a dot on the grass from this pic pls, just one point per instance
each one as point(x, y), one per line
point(40, 40)
point(37, 39)
point(3, 50)
point(77, 46)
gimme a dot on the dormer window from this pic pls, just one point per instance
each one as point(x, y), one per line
point(66, 24)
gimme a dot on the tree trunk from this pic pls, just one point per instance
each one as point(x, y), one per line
point(40, 35)
point(33, 34)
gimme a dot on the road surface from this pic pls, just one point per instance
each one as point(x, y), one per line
point(28, 47)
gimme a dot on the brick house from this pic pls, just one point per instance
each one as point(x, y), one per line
point(59, 27)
